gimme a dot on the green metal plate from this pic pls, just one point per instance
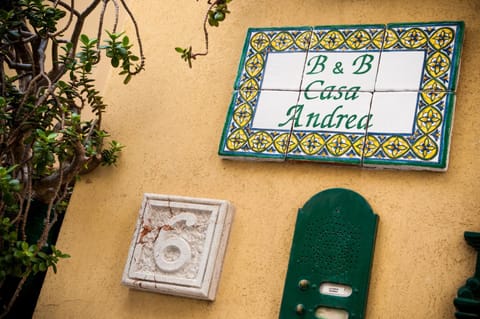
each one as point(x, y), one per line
point(331, 257)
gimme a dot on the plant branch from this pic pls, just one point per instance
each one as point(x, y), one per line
point(139, 39)
point(216, 13)
point(14, 297)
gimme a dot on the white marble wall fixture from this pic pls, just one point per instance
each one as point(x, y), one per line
point(178, 246)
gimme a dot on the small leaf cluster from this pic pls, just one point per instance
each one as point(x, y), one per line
point(110, 155)
point(218, 12)
point(118, 50)
point(186, 55)
point(18, 258)
point(43, 18)
point(9, 188)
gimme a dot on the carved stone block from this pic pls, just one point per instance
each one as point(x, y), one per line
point(178, 246)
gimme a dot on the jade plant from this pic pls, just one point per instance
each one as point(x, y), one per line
point(50, 120)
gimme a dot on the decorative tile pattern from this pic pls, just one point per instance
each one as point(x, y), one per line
point(178, 246)
point(249, 126)
point(263, 64)
point(434, 50)
point(370, 95)
point(425, 146)
point(327, 131)
point(440, 44)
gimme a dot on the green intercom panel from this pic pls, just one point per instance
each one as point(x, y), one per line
point(331, 257)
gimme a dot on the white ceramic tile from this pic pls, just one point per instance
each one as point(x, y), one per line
point(340, 71)
point(273, 109)
point(393, 112)
point(403, 141)
point(283, 71)
point(400, 71)
point(273, 58)
point(265, 139)
point(178, 246)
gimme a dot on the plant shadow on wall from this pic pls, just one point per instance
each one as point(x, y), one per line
point(46, 86)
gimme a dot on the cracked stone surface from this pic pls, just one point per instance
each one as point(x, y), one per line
point(178, 245)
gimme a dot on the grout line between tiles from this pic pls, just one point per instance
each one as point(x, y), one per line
point(365, 136)
point(287, 150)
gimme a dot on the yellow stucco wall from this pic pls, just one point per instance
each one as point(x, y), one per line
point(171, 120)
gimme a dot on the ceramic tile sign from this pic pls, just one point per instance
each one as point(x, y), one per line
point(178, 246)
point(365, 95)
point(331, 258)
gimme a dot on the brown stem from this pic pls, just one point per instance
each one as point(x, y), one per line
point(67, 173)
point(205, 31)
point(70, 17)
point(15, 296)
point(68, 7)
point(28, 200)
point(117, 10)
point(48, 222)
point(139, 39)
point(100, 24)
point(75, 37)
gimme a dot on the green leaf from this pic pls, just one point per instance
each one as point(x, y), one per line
point(125, 41)
point(42, 255)
point(115, 62)
point(180, 50)
point(127, 79)
point(122, 51)
point(14, 183)
point(84, 38)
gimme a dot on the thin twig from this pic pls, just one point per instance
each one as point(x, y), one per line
point(117, 13)
point(15, 296)
point(100, 25)
point(205, 32)
point(139, 40)
point(70, 17)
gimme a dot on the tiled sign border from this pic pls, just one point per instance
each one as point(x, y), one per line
point(426, 148)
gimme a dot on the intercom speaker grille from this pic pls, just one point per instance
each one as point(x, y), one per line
point(331, 246)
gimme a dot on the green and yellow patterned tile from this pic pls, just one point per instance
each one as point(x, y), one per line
point(250, 130)
point(421, 57)
point(329, 126)
point(273, 58)
point(417, 138)
point(365, 95)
